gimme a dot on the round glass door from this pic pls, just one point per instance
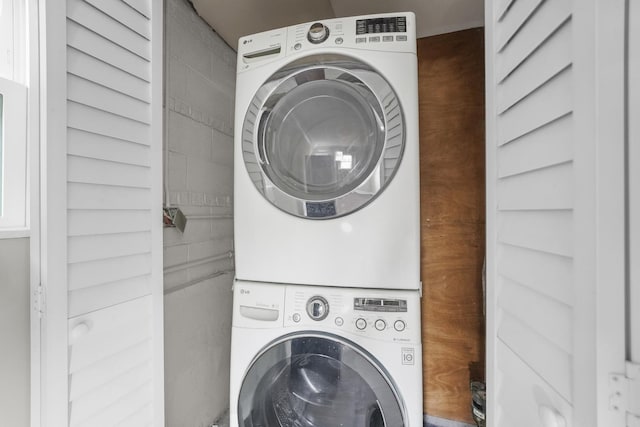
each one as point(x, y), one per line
point(317, 381)
point(323, 137)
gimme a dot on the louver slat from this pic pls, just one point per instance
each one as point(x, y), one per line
point(97, 297)
point(109, 28)
point(515, 19)
point(547, 360)
point(92, 44)
point(102, 98)
point(97, 71)
point(141, 6)
point(91, 145)
point(124, 14)
point(542, 25)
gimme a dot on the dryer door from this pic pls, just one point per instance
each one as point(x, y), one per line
point(323, 136)
point(318, 381)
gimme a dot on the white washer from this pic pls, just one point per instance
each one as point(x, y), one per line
point(326, 154)
point(316, 356)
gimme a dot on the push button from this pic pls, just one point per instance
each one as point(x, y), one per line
point(399, 325)
point(374, 39)
point(380, 325)
point(361, 323)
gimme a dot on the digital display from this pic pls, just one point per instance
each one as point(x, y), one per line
point(321, 209)
point(396, 24)
point(380, 304)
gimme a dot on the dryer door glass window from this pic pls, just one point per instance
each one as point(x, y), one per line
point(323, 137)
point(318, 381)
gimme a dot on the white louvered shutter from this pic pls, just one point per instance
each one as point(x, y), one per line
point(555, 210)
point(102, 352)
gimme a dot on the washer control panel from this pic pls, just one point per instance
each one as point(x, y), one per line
point(379, 314)
point(389, 315)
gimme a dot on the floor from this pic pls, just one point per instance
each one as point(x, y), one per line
point(430, 421)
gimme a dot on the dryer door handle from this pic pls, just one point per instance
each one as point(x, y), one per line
point(261, 138)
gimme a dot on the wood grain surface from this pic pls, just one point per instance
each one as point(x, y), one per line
point(451, 90)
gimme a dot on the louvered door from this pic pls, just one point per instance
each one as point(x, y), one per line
point(102, 358)
point(555, 210)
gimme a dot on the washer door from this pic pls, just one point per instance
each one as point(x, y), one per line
point(323, 136)
point(317, 381)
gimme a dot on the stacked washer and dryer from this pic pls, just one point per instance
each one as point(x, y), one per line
point(326, 311)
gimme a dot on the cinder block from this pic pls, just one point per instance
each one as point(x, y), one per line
point(175, 254)
point(207, 249)
point(196, 231)
point(207, 177)
point(188, 136)
point(205, 96)
point(222, 148)
point(224, 74)
point(176, 78)
point(175, 279)
point(197, 199)
point(177, 171)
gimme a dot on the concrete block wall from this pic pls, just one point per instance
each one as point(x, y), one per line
point(199, 103)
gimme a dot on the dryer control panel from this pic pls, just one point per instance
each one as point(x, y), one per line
point(393, 32)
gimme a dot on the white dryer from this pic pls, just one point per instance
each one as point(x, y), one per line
point(326, 154)
point(308, 356)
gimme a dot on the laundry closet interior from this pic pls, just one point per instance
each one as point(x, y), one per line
point(107, 193)
point(451, 135)
point(226, 214)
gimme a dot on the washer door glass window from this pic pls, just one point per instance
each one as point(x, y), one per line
point(318, 381)
point(323, 137)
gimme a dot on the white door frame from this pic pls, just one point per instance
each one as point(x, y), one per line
point(53, 222)
point(33, 184)
point(609, 119)
point(633, 168)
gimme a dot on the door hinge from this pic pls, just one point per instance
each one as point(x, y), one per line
point(38, 300)
point(625, 393)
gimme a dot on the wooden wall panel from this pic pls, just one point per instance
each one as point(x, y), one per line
point(451, 85)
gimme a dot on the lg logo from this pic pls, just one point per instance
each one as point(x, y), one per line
point(247, 41)
point(244, 292)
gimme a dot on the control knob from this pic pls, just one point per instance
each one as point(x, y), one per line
point(317, 308)
point(318, 33)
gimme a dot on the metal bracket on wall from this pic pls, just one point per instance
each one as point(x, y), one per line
point(173, 217)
